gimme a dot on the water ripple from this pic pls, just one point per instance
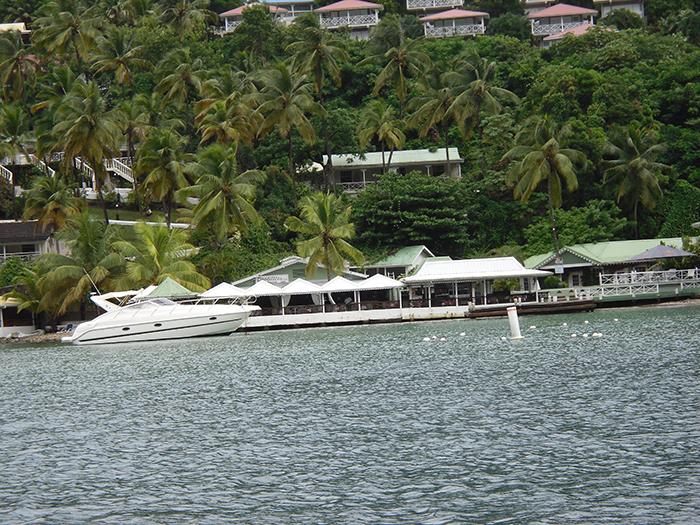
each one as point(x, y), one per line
point(365, 424)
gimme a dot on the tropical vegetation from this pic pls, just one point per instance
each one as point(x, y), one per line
point(597, 136)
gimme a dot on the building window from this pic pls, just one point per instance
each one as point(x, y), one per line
point(345, 177)
point(526, 284)
point(576, 280)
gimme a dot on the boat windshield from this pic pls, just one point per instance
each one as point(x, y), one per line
point(152, 303)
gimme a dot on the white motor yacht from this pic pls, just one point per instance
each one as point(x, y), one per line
point(157, 319)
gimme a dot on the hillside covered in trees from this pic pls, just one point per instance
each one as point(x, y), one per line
point(610, 117)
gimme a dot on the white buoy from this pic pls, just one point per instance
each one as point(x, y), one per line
point(462, 334)
point(426, 339)
point(514, 323)
point(615, 319)
point(532, 327)
point(565, 324)
point(573, 335)
point(443, 339)
point(597, 334)
point(434, 337)
point(585, 322)
point(584, 335)
point(504, 338)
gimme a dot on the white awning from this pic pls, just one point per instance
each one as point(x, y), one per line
point(301, 287)
point(339, 284)
point(223, 291)
point(379, 282)
point(263, 288)
point(472, 270)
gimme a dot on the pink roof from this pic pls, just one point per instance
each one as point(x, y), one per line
point(576, 31)
point(239, 10)
point(562, 10)
point(345, 5)
point(454, 13)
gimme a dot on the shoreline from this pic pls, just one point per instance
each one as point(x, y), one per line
point(56, 336)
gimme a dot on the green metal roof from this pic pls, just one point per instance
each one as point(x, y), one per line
point(404, 257)
point(601, 253)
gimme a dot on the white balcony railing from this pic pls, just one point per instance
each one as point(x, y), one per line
point(24, 256)
point(120, 168)
point(353, 187)
point(442, 32)
point(432, 4)
point(665, 276)
point(551, 29)
point(350, 21)
point(6, 174)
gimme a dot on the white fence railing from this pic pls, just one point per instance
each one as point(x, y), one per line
point(442, 32)
point(431, 4)
point(24, 256)
point(664, 276)
point(551, 29)
point(350, 21)
point(7, 175)
point(120, 169)
point(353, 186)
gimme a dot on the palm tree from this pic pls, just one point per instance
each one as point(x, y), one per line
point(325, 220)
point(51, 201)
point(27, 291)
point(477, 94)
point(159, 252)
point(13, 129)
point(284, 101)
point(634, 169)
point(378, 120)
point(68, 26)
point(538, 146)
point(225, 196)
point(401, 58)
point(187, 16)
point(317, 51)
point(18, 69)
point(180, 77)
point(134, 125)
point(117, 53)
point(92, 262)
point(85, 128)
point(436, 105)
point(163, 162)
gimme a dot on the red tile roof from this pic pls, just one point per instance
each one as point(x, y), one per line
point(344, 5)
point(562, 10)
point(454, 13)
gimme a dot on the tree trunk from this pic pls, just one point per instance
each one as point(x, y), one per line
point(130, 152)
point(291, 171)
point(328, 166)
point(551, 216)
point(98, 187)
point(383, 161)
point(481, 144)
point(447, 147)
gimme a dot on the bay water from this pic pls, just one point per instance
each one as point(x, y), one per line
point(363, 424)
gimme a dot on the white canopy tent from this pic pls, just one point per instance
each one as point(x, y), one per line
point(470, 271)
point(223, 291)
point(381, 282)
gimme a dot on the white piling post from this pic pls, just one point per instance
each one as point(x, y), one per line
point(514, 323)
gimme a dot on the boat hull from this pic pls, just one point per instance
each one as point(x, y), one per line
point(177, 322)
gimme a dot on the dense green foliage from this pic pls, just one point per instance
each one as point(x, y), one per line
point(149, 79)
